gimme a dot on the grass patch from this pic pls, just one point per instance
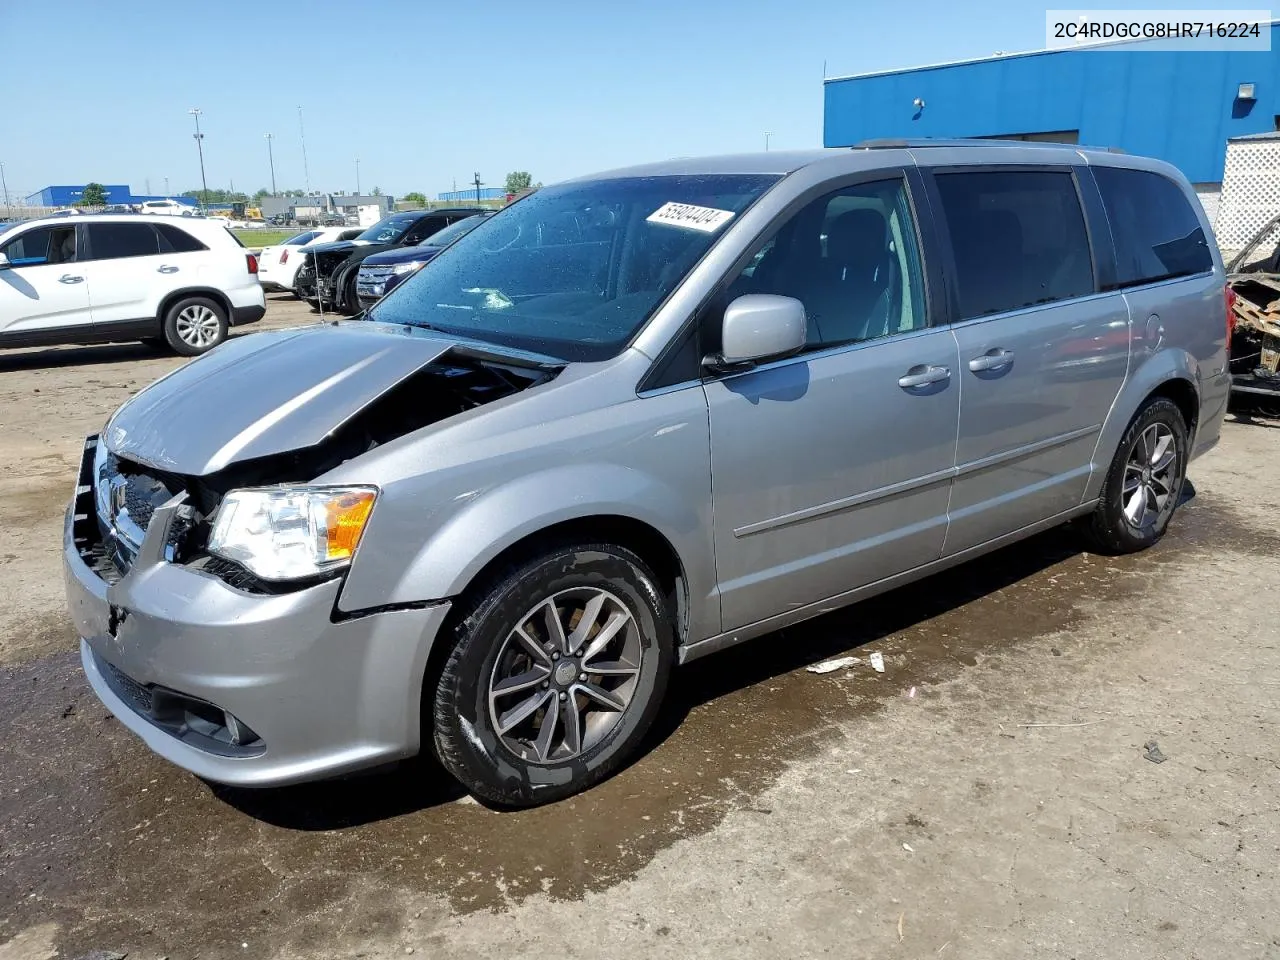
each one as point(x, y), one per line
point(257, 239)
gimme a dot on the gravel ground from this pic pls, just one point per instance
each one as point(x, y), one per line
point(986, 797)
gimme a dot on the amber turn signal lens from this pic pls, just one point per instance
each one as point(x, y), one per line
point(345, 517)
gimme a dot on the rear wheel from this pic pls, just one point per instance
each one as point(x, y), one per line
point(558, 669)
point(195, 325)
point(1144, 481)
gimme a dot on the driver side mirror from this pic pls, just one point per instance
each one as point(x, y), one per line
point(4, 263)
point(757, 327)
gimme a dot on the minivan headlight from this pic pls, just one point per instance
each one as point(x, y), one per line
point(288, 533)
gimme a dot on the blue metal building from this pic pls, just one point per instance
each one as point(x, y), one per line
point(1180, 106)
point(69, 196)
point(462, 196)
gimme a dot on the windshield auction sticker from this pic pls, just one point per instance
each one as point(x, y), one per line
point(702, 219)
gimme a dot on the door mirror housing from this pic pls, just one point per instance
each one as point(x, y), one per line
point(757, 327)
point(4, 262)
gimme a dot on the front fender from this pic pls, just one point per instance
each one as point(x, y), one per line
point(1160, 368)
point(490, 521)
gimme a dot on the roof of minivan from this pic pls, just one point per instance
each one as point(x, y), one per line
point(782, 162)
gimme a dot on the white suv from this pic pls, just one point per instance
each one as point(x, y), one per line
point(95, 279)
point(169, 208)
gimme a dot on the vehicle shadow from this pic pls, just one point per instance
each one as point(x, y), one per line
point(71, 356)
point(422, 783)
point(843, 631)
point(86, 355)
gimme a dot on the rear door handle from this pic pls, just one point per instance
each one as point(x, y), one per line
point(922, 376)
point(68, 278)
point(996, 359)
point(165, 268)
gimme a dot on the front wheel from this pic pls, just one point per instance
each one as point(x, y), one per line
point(1144, 482)
point(557, 672)
point(195, 325)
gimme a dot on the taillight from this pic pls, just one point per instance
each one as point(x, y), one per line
point(284, 255)
point(1229, 297)
point(253, 263)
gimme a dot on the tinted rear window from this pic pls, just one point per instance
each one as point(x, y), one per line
point(109, 241)
point(1018, 238)
point(302, 238)
point(176, 240)
point(1157, 234)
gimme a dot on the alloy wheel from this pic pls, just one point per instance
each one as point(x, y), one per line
point(1150, 476)
point(565, 675)
point(198, 326)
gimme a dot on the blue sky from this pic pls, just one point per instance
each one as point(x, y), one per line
point(426, 92)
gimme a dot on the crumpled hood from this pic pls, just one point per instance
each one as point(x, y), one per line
point(266, 393)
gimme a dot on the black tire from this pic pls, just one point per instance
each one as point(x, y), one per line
point(351, 304)
point(195, 325)
point(1110, 529)
point(506, 770)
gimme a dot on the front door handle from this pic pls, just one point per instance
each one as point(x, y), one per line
point(165, 268)
point(996, 359)
point(68, 278)
point(922, 376)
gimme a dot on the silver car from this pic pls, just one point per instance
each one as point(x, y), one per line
point(631, 420)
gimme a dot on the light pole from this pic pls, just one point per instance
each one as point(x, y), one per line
point(767, 135)
point(478, 183)
point(4, 186)
point(204, 186)
point(302, 133)
point(357, 176)
point(166, 186)
point(271, 160)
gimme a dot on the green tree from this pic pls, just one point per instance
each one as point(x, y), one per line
point(415, 197)
point(260, 193)
point(377, 192)
point(518, 180)
point(95, 195)
point(217, 196)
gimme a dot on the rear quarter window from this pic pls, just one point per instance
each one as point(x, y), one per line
point(176, 240)
point(1018, 238)
point(1156, 232)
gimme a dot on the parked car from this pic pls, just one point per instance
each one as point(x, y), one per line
point(98, 278)
point(380, 273)
point(327, 277)
point(629, 421)
point(278, 265)
point(170, 208)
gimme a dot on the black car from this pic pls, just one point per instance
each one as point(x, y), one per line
point(380, 273)
point(327, 277)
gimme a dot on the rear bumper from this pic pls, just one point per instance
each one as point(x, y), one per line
point(243, 315)
point(172, 651)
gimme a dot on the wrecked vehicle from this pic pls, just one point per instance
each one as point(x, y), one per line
point(381, 273)
point(626, 422)
point(326, 277)
point(1253, 297)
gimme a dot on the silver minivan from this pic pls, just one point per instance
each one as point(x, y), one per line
point(631, 420)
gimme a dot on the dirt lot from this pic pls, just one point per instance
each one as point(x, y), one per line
point(986, 797)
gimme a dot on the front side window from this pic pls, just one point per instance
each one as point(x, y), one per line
point(1157, 234)
point(423, 229)
point(852, 259)
point(42, 245)
point(1018, 239)
point(111, 241)
point(573, 271)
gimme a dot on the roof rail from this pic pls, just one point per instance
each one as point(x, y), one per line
point(899, 143)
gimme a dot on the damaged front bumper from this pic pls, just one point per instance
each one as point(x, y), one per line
point(238, 687)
